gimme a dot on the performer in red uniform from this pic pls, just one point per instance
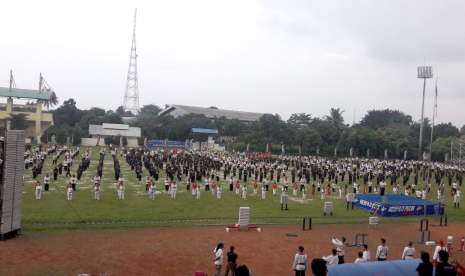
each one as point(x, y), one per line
point(275, 186)
point(237, 186)
point(313, 189)
point(365, 189)
point(194, 188)
point(294, 193)
point(255, 186)
point(328, 189)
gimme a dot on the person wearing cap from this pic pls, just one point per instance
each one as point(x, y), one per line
point(332, 259)
point(382, 252)
point(300, 262)
point(409, 252)
point(232, 257)
point(218, 251)
point(340, 248)
point(436, 257)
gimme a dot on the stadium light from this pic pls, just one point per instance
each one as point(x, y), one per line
point(424, 72)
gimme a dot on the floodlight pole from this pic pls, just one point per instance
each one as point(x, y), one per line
point(424, 72)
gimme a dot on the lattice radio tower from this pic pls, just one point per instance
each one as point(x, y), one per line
point(131, 95)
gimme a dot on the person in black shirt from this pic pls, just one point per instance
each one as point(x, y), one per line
point(444, 268)
point(232, 257)
point(426, 267)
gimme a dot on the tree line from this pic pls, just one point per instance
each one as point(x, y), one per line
point(377, 131)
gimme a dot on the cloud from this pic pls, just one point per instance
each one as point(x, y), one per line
point(339, 56)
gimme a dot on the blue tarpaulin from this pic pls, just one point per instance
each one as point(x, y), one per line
point(387, 268)
point(204, 130)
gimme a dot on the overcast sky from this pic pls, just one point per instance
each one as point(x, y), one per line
point(263, 56)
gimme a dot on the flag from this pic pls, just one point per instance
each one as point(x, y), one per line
point(248, 147)
point(121, 141)
point(267, 148)
point(405, 155)
point(351, 152)
point(317, 151)
point(424, 155)
point(385, 154)
point(335, 152)
point(98, 141)
point(368, 153)
point(282, 149)
point(145, 142)
point(300, 150)
point(446, 158)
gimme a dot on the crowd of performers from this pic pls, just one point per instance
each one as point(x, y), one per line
point(321, 176)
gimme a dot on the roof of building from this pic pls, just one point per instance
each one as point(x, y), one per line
point(114, 130)
point(213, 113)
point(204, 130)
point(24, 93)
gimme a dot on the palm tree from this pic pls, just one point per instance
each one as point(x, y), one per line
point(17, 121)
point(53, 101)
point(336, 119)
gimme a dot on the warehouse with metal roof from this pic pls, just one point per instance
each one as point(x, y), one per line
point(211, 113)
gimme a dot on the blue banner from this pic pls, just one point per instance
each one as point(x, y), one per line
point(175, 145)
point(409, 207)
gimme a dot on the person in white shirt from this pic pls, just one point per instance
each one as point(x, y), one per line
point(73, 180)
point(167, 185)
point(96, 179)
point(38, 190)
point(97, 191)
point(70, 192)
point(366, 253)
point(340, 248)
point(218, 193)
point(244, 191)
point(198, 192)
point(382, 252)
point(264, 192)
point(340, 192)
point(360, 259)
point(121, 191)
point(440, 247)
point(218, 251)
point(409, 252)
point(46, 181)
point(174, 188)
point(300, 262)
point(332, 259)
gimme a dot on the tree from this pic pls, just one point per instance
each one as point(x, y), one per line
point(17, 121)
point(336, 119)
point(440, 147)
point(445, 130)
point(299, 120)
point(376, 119)
point(97, 111)
point(67, 114)
point(53, 101)
point(213, 107)
point(150, 109)
point(123, 113)
point(309, 138)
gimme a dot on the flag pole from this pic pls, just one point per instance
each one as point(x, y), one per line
point(435, 110)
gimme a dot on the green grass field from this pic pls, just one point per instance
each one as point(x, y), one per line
point(137, 207)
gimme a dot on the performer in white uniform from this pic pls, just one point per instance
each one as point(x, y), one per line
point(70, 192)
point(97, 191)
point(340, 248)
point(300, 262)
point(152, 188)
point(38, 190)
point(121, 191)
point(218, 192)
point(440, 247)
point(366, 253)
point(332, 259)
point(409, 252)
point(174, 188)
point(264, 192)
point(360, 258)
point(244, 191)
point(198, 192)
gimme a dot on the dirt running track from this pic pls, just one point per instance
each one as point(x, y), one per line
point(183, 250)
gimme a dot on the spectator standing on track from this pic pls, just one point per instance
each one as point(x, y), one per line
point(425, 268)
point(360, 259)
point(332, 259)
point(218, 251)
point(445, 269)
point(382, 252)
point(366, 253)
point(232, 257)
point(300, 262)
point(409, 252)
point(340, 248)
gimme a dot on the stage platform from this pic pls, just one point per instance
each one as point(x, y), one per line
point(397, 205)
